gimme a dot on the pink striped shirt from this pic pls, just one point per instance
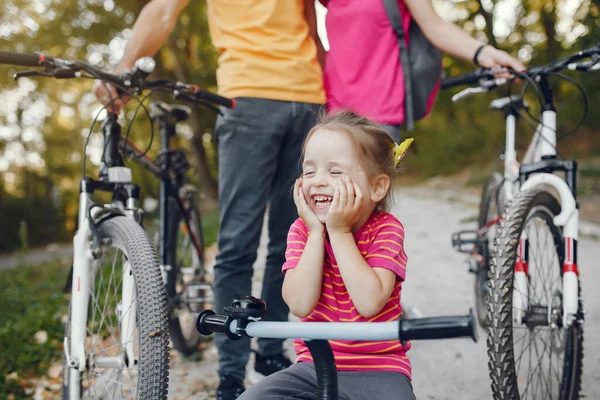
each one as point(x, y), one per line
point(381, 242)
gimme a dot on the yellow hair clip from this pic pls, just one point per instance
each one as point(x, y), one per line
point(400, 150)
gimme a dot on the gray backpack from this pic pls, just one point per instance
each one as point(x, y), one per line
point(421, 64)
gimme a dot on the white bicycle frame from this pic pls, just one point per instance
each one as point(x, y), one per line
point(542, 144)
point(85, 267)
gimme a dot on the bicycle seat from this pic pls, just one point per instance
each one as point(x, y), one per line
point(160, 109)
point(505, 104)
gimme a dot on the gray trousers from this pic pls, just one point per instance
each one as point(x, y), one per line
point(299, 382)
point(260, 145)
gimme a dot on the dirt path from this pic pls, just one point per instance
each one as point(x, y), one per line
point(36, 256)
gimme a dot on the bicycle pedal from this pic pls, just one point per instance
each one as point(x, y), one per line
point(466, 241)
point(198, 295)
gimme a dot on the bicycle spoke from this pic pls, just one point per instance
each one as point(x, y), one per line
point(529, 380)
point(115, 375)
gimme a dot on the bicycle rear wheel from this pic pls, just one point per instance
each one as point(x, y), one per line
point(531, 354)
point(187, 288)
point(489, 212)
point(126, 344)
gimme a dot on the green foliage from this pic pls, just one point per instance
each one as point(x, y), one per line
point(44, 122)
point(33, 216)
point(31, 300)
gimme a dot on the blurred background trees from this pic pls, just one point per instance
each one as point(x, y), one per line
point(44, 122)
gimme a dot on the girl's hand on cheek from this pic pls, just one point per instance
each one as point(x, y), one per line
point(344, 211)
point(304, 210)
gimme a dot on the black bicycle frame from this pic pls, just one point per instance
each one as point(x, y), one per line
point(172, 165)
point(111, 157)
point(167, 130)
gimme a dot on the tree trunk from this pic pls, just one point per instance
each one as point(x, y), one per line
point(548, 14)
point(489, 23)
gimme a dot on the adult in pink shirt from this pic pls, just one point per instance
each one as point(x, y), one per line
point(362, 67)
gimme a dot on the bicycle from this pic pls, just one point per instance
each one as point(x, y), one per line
point(180, 240)
point(116, 337)
point(242, 318)
point(523, 208)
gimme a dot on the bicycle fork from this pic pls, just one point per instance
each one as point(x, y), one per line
point(569, 220)
point(74, 346)
point(85, 267)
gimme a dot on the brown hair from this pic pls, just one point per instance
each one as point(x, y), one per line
point(373, 144)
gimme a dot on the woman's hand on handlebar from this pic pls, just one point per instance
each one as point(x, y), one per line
point(499, 62)
point(107, 95)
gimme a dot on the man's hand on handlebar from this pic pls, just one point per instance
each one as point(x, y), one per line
point(107, 95)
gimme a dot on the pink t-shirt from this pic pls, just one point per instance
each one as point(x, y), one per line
point(381, 242)
point(363, 71)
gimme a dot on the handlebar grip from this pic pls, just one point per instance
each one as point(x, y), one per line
point(209, 322)
point(26, 60)
point(439, 328)
point(466, 79)
point(215, 98)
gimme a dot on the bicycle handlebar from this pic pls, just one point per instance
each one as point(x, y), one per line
point(243, 320)
point(467, 79)
point(483, 77)
point(133, 80)
point(24, 60)
point(409, 329)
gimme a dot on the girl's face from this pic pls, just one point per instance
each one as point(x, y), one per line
point(328, 156)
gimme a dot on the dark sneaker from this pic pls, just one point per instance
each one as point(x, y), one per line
point(269, 365)
point(230, 388)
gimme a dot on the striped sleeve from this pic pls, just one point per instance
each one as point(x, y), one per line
point(386, 250)
point(296, 240)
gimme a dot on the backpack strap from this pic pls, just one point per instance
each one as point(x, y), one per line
point(394, 15)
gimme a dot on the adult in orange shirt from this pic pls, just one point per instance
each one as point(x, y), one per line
point(268, 62)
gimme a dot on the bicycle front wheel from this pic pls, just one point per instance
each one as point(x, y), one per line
point(531, 354)
point(127, 338)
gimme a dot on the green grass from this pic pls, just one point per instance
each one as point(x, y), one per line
point(31, 300)
point(590, 172)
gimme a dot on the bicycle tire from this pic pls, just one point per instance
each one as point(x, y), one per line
point(150, 372)
point(535, 209)
point(183, 254)
point(488, 211)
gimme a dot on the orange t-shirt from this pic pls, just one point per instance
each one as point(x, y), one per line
point(265, 50)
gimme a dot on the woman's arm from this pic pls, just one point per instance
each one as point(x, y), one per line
point(302, 285)
point(369, 288)
point(451, 39)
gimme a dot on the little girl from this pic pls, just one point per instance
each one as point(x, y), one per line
point(345, 261)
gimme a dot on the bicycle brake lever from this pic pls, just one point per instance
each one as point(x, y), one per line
point(484, 86)
point(25, 74)
point(468, 92)
point(585, 66)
